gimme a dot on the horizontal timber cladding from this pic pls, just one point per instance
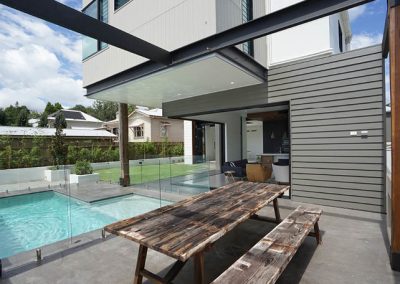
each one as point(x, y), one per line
point(329, 98)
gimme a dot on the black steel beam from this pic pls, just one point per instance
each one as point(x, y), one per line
point(67, 17)
point(291, 16)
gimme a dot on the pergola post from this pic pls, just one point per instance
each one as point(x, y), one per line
point(394, 49)
point(123, 144)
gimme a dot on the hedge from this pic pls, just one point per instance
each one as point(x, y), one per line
point(28, 152)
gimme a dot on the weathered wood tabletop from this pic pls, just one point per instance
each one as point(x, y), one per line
point(185, 228)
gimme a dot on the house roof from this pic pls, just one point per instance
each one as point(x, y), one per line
point(34, 131)
point(74, 115)
point(148, 112)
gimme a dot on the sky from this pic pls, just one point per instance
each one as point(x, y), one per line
point(41, 62)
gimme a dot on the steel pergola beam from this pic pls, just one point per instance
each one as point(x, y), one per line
point(69, 18)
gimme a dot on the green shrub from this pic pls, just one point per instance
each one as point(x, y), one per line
point(177, 150)
point(115, 154)
point(97, 155)
point(83, 168)
point(26, 159)
point(35, 156)
point(108, 154)
point(84, 154)
point(149, 148)
point(6, 156)
point(73, 154)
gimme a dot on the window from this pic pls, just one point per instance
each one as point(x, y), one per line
point(138, 131)
point(119, 3)
point(114, 131)
point(340, 38)
point(163, 130)
point(247, 15)
point(97, 9)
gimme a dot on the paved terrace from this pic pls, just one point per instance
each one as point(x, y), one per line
point(354, 250)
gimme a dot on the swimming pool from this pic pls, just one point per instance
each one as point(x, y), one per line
point(34, 220)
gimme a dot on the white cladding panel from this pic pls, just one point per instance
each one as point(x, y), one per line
point(169, 24)
point(229, 15)
point(309, 39)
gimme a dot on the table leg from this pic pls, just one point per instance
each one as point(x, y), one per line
point(199, 268)
point(141, 261)
point(317, 233)
point(276, 209)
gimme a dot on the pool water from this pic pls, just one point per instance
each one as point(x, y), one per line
point(33, 220)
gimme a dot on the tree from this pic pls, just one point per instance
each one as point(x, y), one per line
point(34, 114)
point(106, 111)
point(14, 113)
point(11, 114)
point(60, 121)
point(43, 122)
point(2, 117)
point(23, 117)
point(58, 106)
point(80, 108)
point(50, 108)
point(59, 149)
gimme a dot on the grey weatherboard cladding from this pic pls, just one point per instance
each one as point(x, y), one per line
point(329, 97)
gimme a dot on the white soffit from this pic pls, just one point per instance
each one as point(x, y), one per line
point(210, 74)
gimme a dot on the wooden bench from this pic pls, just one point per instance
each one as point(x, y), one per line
point(265, 261)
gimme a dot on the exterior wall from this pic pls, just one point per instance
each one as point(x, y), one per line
point(334, 32)
point(229, 15)
point(233, 137)
point(168, 24)
point(260, 44)
point(188, 141)
point(316, 38)
point(254, 141)
point(210, 143)
point(330, 98)
point(175, 130)
point(232, 99)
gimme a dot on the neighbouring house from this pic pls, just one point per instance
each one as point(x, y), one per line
point(149, 125)
point(33, 122)
point(298, 95)
point(76, 119)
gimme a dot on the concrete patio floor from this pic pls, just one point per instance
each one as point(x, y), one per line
point(354, 250)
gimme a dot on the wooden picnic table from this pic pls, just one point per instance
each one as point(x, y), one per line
point(189, 227)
